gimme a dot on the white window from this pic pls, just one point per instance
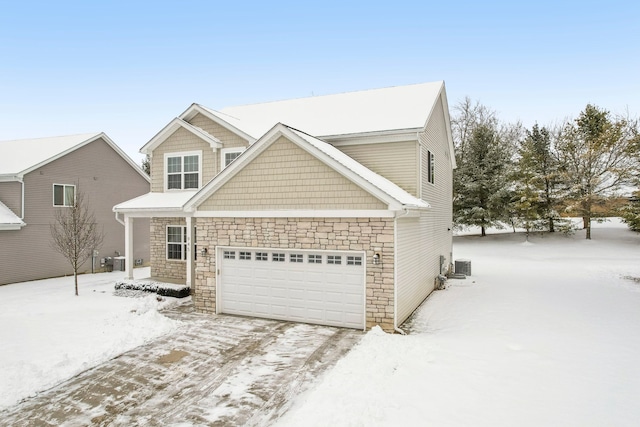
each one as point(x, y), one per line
point(334, 259)
point(354, 260)
point(245, 255)
point(176, 242)
point(295, 258)
point(277, 257)
point(315, 259)
point(431, 167)
point(182, 171)
point(64, 195)
point(228, 155)
point(229, 254)
point(262, 256)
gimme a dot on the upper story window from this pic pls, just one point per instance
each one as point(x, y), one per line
point(431, 167)
point(64, 195)
point(228, 155)
point(183, 171)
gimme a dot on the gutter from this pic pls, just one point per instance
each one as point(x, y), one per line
point(119, 220)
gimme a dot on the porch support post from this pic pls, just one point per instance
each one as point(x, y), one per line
point(190, 252)
point(128, 246)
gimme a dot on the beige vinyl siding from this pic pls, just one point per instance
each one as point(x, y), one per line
point(182, 141)
point(11, 196)
point(106, 179)
point(396, 161)
point(287, 177)
point(418, 263)
point(421, 241)
point(226, 137)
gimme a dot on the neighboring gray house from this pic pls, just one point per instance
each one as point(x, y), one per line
point(333, 209)
point(40, 176)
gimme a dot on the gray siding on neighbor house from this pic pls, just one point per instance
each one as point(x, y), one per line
point(106, 179)
point(421, 241)
point(396, 161)
point(11, 196)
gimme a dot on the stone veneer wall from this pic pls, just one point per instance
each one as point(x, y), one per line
point(160, 265)
point(303, 233)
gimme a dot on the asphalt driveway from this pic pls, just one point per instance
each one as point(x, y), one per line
point(214, 371)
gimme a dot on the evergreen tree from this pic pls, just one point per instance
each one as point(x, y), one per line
point(536, 180)
point(481, 187)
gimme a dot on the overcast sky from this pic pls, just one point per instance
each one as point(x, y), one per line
point(128, 67)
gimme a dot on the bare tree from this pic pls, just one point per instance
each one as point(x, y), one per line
point(597, 154)
point(75, 234)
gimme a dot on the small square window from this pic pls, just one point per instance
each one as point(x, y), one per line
point(262, 256)
point(315, 259)
point(334, 259)
point(229, 255)
point(296, 258)
point(228, 155)
point(354, 260)
point(277, 257)
point(245, 256)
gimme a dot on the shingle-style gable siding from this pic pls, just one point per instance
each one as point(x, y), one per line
point(396, 161)
point(285, 176)
point(180, 141)
point(11, 196)
point(226, 137)
point(431, 232)
point(106, 179)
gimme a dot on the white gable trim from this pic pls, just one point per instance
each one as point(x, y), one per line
point(196, 109)
point(174, 125)
point(262, 144)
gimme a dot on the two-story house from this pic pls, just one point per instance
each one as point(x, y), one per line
point(41, 176)
point(334, 209)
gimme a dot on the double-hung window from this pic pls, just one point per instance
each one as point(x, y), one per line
point(177, 242)
point(183, 171)
point(64, 195)
point(228, 155)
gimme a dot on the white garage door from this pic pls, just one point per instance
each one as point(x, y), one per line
point(319, 287)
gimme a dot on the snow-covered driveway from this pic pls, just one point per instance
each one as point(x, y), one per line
point(213, 370)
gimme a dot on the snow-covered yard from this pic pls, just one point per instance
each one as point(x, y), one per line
point(543, 333)
point(48, 334)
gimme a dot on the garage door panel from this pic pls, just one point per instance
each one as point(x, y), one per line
point(322, 293)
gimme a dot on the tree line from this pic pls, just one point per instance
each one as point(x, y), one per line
point(535, 178)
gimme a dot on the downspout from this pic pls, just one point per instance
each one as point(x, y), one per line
point(395, 271)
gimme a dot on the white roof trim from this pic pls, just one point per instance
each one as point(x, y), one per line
point(156, 202)
point(298, 213)
point(380, 187)
point(174, 125)
point(223, 120)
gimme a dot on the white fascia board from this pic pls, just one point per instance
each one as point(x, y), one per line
point(62, 153)
point(297, 213)
point(236, 166)
point(150, 213)
point(195, 109)
point(11, 227)
point(400, 135)
point(171, 127)
point(11, 178)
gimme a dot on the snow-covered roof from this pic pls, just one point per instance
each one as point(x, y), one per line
point(362, 171)
point(171, 200)
point(20, 156)
point(377, 110)
point(9, 220)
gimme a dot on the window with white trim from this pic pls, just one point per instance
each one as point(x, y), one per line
point(431, 167)
point(182, 171)
point(315, 259)
point(64, 195)
point(229, 254)
point(262, 256)
point(177, 242)
point(277, 257)
point(334, 259)
point(354, 260)
point(295, 258)
point(228, 155)
point(245, 256)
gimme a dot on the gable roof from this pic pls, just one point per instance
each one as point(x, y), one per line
point(21, 156)
point(377, 110)
point(9, 220)
point(174, 125)
point(378, 186)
